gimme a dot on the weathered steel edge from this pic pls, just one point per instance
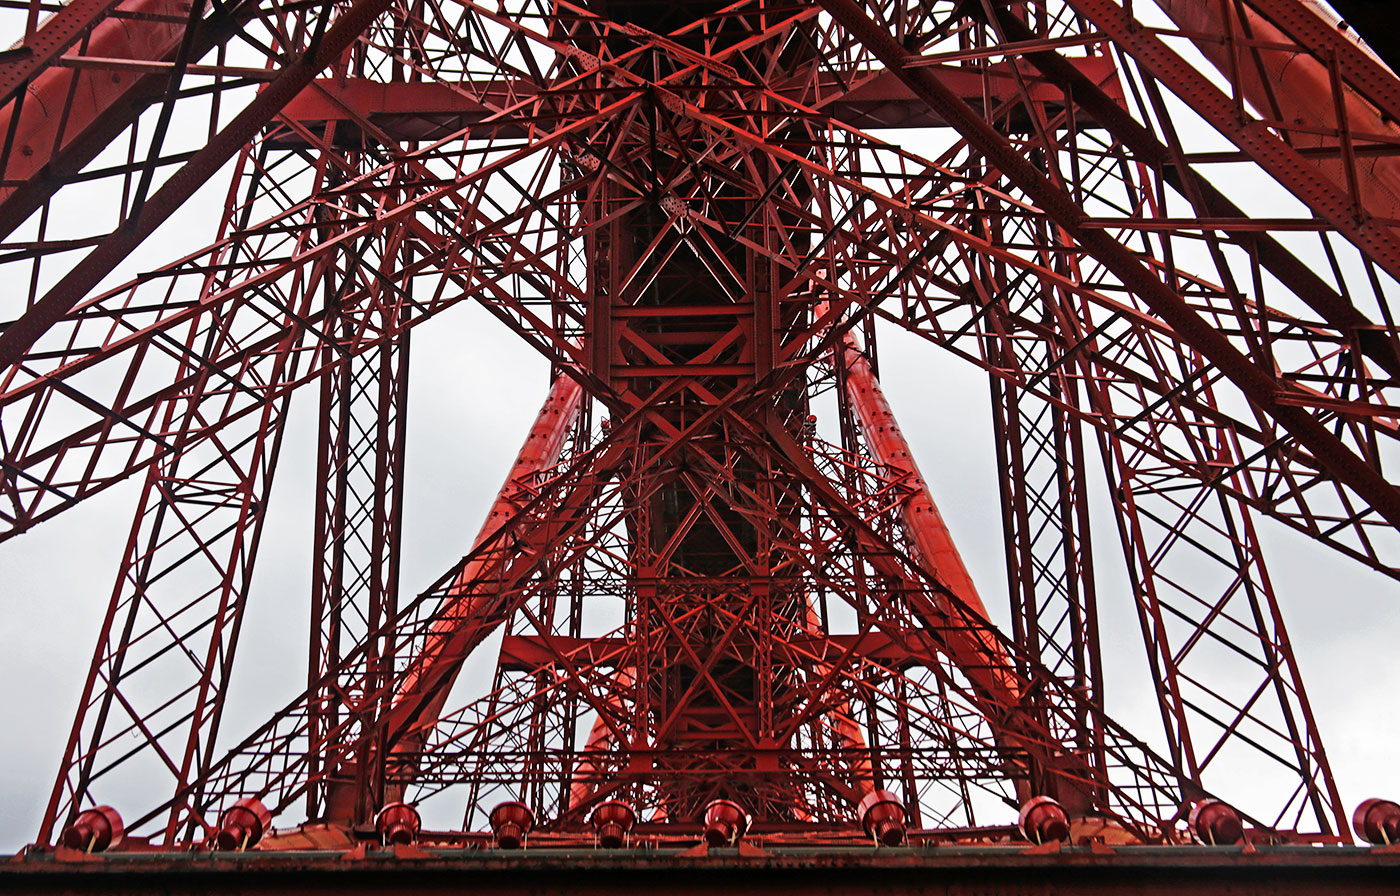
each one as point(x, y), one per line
point(988, 871)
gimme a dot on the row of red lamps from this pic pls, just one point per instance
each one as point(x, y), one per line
point(1212, 822)
point(1041, 820)
point(243, 824)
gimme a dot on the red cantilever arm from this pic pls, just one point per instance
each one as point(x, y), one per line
point(420, 699)
point(977, 653)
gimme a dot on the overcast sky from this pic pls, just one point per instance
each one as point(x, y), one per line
point(475, 390)
point(474, 394)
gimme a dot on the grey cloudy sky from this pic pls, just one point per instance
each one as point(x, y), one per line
point(474, 394)
point(475, 390)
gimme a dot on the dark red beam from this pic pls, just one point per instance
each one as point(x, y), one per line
point(56, 34)
point(1108, 111)
point(1258, 384)
point(1374, 20)
point(61, 117)
point(21, 334)
point(526, 653)
point(417, 111)
point(851, 871)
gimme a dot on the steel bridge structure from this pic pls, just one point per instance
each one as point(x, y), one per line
point(729, 638)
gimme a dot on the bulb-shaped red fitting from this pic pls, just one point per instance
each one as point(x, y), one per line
point(1377, 821)
point(1215, 823)
point(95, 830)
point(511, 822)
point(613, 821)
point(1042, 820)
point(398, 823)
point(882, 816)
point(725, 822)
point(242, 825)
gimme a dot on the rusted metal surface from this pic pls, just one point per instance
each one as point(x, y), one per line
point(593, 873)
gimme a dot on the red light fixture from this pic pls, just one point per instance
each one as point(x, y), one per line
point(725, 823)
point(1377, 821)
point(242, 825)
point(882, 816)
point(1042, 820)
point(613, 821)
point(95, 830)
point(1215, 823)
point(398, 823)
point(511, 822)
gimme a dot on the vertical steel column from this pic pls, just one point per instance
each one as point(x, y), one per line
point(1049, 560)
point(355, 558)
point(1228, 685)
point(424, 690)
point(1042, 481)
point(167, 644)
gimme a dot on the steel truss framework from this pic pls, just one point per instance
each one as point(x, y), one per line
point(689, 209)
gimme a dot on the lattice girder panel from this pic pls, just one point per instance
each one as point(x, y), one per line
point(680, 210)
point(495, 730)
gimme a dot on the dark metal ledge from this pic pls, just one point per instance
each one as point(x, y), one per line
point(986, 871)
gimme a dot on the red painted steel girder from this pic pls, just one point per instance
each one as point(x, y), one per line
point(20, 335)
point(1290, 274)
point(66, 115)
point(415, 111)
point(1207, 198)
point(1300, 89)
point(420, 697)
point(1338, 205)
point(716, 218)
point(1369, 19)
point(1260, 385)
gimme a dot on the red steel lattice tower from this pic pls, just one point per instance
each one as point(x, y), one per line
point(715, 595)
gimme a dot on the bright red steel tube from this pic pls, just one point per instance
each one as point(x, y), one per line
point(1302, 88)
point(922, 521)
point(151, 34)
point(426, 685)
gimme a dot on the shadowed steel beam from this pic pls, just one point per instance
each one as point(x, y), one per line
point(930, 871)
point(1261, 387)
point(21, 335)
point(1208, 200)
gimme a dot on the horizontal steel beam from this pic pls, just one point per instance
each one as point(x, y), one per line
point(837, 871)
point(1257, 383)
point(527, 653)
point(428, 110)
